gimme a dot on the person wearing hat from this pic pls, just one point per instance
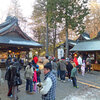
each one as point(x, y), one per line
point(54, 67)
point(46, 60)
point(48, 87)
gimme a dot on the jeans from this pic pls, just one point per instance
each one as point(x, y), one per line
point(9, 89)
point(14, 92)
point(88, 68)
point(74, 81)
point(79, 68)
point(29, 85)
point(58, 73)
point(34, 88)
point(38, 79)
point(69, 74)
point(62, 75)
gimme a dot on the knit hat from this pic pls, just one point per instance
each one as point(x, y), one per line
point(37, 66)
point(48, 66)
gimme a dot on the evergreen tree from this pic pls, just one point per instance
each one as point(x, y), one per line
point(72, 12)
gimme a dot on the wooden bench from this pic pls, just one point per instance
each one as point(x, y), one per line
point(96, 67)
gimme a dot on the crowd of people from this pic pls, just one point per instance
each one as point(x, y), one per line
point(13, 77)
point(54, 69)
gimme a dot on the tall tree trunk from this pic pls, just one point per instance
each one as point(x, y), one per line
point(54, 46)
point(47, 53)
point(67, 45)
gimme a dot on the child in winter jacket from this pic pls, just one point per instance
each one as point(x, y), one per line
point(38, 72)
point(34, 79)
point(83, 68)
point(73, 75)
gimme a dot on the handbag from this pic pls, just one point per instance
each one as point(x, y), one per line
point(19, 81)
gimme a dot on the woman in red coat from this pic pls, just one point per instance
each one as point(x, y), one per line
point(35, 58)
point(75, 60)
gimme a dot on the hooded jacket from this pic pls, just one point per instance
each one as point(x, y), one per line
point(62, 64)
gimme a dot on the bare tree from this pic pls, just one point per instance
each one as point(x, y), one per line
point(93, 19)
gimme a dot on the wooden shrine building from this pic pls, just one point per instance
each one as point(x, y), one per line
point(92, 48)
point(13, 41)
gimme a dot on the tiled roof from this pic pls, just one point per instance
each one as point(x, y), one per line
point(18, 37)
point(18, 41)
point(92, 45)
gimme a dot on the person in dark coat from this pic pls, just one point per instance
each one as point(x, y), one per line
point(18, 66)
point(69, 67)
point(7, 77)
point(14, 81)
point(8, 62)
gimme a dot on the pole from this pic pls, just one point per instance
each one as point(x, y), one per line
point(47, 54)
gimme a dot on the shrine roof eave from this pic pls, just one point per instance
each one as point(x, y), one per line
point(19, 45)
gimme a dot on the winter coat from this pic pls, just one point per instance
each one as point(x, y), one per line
point(35, 77)
point(83, 67)
point(28, 73)
point(74, 72)
point(88, 60)
point(62, 65)
point(54, 66)
point(35, 59)
point(48, 87)
point(8, 74)
point(79, 60)
point(14, 76)
point(38, 72)
point(76, 61)
point(45, 61)
point(8, 61)
point(69, 67)
point(18, 66)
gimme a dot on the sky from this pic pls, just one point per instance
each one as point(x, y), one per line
point(26, 7)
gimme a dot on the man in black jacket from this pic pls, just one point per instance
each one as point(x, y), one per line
point(69, 67)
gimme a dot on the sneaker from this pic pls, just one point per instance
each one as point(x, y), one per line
point(77, 86)
point(34, 91)
point(10, 96)
point(17, 98)
point(71, 80)
point(63, 81)
point(58, 79)
point(68, 79)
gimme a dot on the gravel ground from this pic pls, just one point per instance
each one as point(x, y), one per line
point(64, 91)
